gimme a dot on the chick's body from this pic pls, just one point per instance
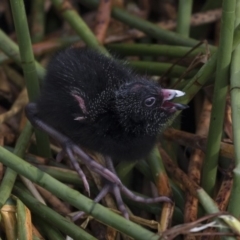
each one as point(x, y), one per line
point(99, 104)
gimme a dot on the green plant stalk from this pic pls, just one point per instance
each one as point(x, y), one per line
point(11, 49)
point(37, 21)
point(4, 59)
point(25, 48)
point(49, 215)
point(234, 207)
point(23, 228)
point(74, 198)
point(51, 233)
point(36, 237)
point(210, 163)
point(68, 177)
point(124, 171)
point(146, 26)
point(10, 175)
point(207, 202)
point(198, 81)
point(141, 49)
point(156, 68)
point(33, 159)
point(76, 22)
point(178, 195)
point(146, 40)
point(184, 17)
point(28, 66)
point(156, 165)
point(183, 28)
point(144, 168)
point(155, 209)
point(211, 208)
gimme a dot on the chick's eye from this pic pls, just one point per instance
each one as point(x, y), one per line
point(150, 101)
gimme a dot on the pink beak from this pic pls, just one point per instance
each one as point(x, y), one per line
point(170, 94)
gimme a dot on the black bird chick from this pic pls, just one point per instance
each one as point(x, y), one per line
point(91, 100)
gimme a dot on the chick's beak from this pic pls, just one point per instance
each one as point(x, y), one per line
point(168, 95)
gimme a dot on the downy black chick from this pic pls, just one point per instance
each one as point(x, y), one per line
point(100, 104)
